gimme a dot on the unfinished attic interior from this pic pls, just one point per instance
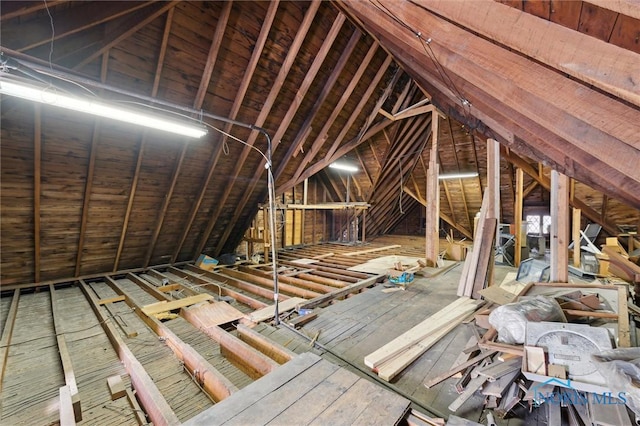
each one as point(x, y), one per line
point(319, 212)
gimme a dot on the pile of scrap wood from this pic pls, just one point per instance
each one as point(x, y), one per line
point(552, 368)
point(389, 360)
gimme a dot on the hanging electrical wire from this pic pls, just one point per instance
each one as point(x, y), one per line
point(426, 45)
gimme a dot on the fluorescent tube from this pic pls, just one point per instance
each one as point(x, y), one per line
point(458, 175)
point(51, 97)
point(342, 166)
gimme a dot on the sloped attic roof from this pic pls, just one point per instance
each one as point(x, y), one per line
point(82, 195)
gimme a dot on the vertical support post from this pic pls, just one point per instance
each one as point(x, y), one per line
point(575, 230)
point(518, 216)
point(559, 227)
point(37, 156)
point(433, 196)
point(493, 179)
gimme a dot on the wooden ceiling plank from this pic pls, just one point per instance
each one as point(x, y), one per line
point(596, 62)
point(324, 132)
point(128, 28)
point(326, 90)
point(623, 7)
point(566, 13)
point(363, 166)
point(213, 54)
point(237, 103)
point(264, 113)
point(23, 36)
point(165, 205)
point(37, 190)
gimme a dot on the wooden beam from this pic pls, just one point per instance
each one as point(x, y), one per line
point(602, 64)
point(7, 332)
point(37, 169)
point(152, 399)
point(12, 10)
point(345, 96)
point(132, 194)
point(433, 194)
point(265, 110)
point(128, 27)
point(165, 205)
point(443, 216)
point(364, 99)
point(545, 182)
point(254, 363)
point(326, 90)
point(353, 288)
point(214, 48)
point(237, 103)
point(65, 357)
point(575, 232)
point(214, 383)
point(273, 350)
point(539, 120)
point(518, 216)
point(25, 35)
point(559, 238)
point(493, 179)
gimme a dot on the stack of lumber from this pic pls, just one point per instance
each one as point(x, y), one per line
point(477, 266)
point(389, 360)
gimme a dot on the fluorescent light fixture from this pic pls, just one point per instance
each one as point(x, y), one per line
point(458, 175)
point(49, 96)
point(343, 166)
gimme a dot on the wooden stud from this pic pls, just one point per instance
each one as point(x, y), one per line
point(132, 194)
point(37, 161)
point(518, 217)
point(67, 417)
point(433, 195)
point(559, 207)
point(165, 205)
point(575, 231)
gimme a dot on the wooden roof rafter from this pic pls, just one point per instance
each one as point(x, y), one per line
point(303, 133)
point(268, 104)
point(302, 91)
point(36, 33)
point(90, 173)
point(323, 134)
point(533, 117)
point(237, 103)
point(205, 80)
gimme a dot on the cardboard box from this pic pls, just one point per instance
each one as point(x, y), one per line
point(207, 263)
